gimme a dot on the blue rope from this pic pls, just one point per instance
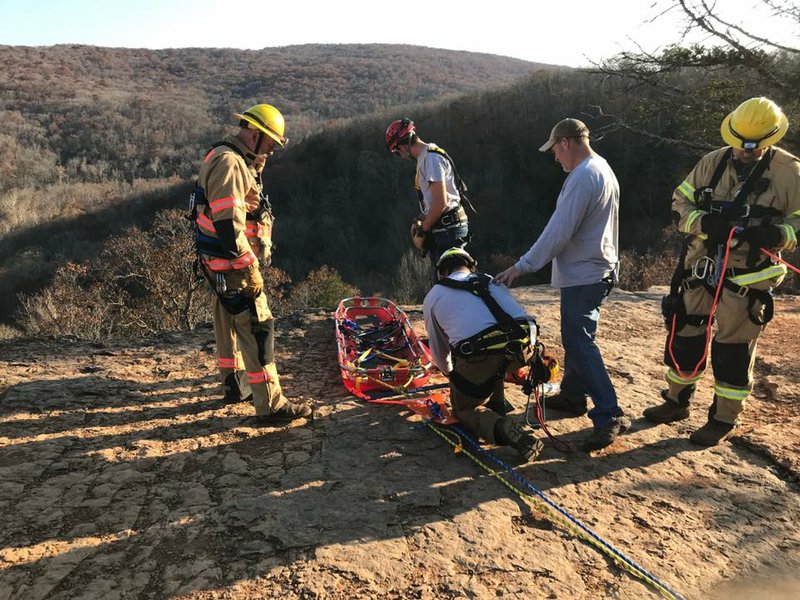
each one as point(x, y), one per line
point(527, 485)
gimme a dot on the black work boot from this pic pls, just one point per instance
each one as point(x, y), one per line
point(574, 405)
point(670, 411)
point(510, 433)
point(233, 393)
point(604, 435)
point(712, 433)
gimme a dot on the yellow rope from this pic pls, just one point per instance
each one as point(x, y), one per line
point(458, 447)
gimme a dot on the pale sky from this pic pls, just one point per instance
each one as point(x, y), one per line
point(572, 33)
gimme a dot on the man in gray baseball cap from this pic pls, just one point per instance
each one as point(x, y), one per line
point(566, 129)
point(581, 239)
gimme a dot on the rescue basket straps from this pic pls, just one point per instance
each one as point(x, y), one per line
point(541, 502)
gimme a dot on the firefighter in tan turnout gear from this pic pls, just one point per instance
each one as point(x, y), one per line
point(752, 187)
point(233, 223)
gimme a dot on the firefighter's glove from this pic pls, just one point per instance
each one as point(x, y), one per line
point(715, 227)
point(761, 236)
point(254, 281)
point(418, 236)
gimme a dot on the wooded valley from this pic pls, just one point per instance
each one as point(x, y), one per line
point(97, 141)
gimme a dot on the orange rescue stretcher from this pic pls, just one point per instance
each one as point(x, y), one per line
point(383, 361)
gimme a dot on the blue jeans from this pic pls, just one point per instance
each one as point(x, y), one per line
point(584, 370)
point(453, 237)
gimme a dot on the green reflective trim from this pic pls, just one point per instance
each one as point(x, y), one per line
point(762, 275)
point(687, 189)
point(731, 393)
point(796, 213)
point(524, 342)
point(674, 377)
point(791, 236)
point(690, 219)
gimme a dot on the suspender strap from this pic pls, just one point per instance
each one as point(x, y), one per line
point(740, 199)
point(755, 175)
point(478, 285)
point(721, 166)
point(461, 185)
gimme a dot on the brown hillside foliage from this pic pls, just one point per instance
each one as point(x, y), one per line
point(143, 283)
point(108, 113)
point(95, 140)
point(125, 121)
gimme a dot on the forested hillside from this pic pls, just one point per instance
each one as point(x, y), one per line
point(95, 140)
point(83, 113)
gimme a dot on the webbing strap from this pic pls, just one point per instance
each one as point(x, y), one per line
point(722, 165)
point(461, 185)
point(478, 285)
point(741, 197)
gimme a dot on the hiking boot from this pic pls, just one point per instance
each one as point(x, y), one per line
point(605, 434)
point(667, 412)
point(574, 405)
point(511, 433)
point(712, 433)
point(288, 412)
point(233, 394)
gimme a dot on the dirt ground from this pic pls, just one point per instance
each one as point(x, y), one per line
point(122, 476)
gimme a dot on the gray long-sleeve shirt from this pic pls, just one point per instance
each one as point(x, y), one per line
point(582, 236)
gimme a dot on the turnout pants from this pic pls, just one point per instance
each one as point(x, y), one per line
point(733, 352)
point(471, 410)
point(245, 345)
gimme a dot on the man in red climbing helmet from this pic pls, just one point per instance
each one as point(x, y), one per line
point(443, 222)
point(752, 187)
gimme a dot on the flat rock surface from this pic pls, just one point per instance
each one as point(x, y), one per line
point(123, 476)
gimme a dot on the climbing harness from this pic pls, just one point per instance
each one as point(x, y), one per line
point(461, 186)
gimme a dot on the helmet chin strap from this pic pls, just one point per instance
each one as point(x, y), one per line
point(259, 141)
point(254, 150)
point(411, 139)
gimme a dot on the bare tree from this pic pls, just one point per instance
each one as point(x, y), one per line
point(679, 90)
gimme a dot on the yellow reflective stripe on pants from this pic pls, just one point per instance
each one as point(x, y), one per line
point(674, 377)
point(762, 275)
point(687, 189)
point(731, 393)
point(690, 219)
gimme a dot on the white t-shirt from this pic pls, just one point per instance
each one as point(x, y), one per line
point(454, 315)
point(435, 167)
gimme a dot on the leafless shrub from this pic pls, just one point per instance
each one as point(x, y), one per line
point(322, 288)
point(412, 279)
